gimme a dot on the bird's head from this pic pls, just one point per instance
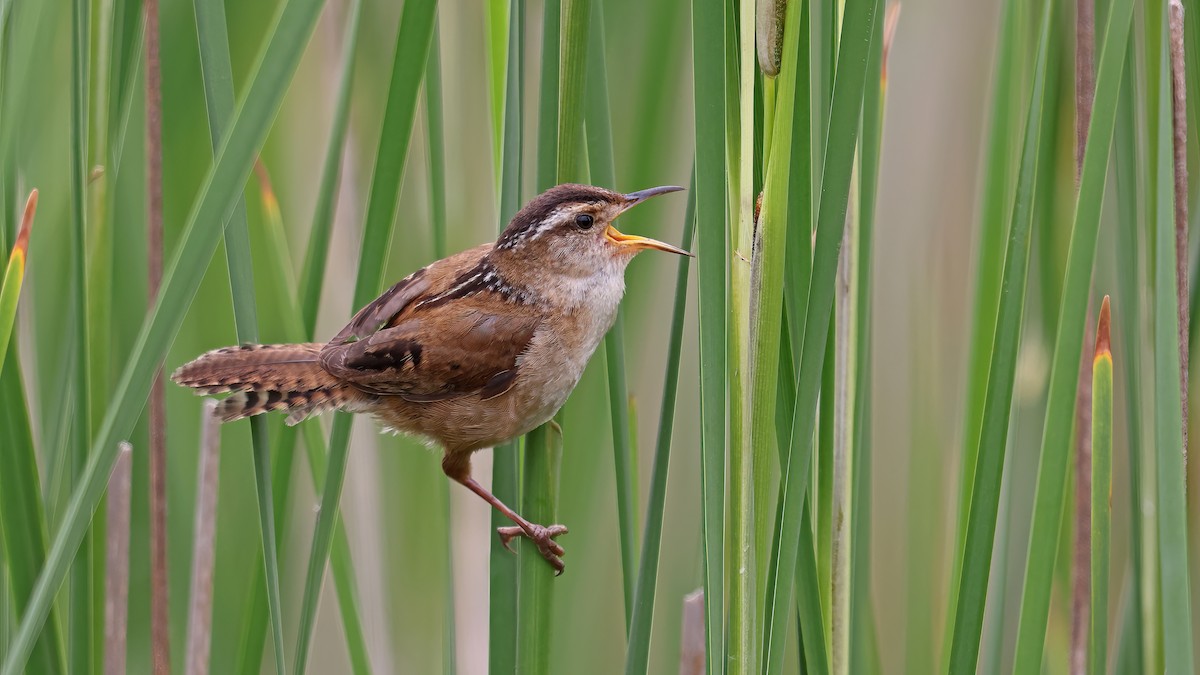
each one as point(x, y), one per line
point(568, 229)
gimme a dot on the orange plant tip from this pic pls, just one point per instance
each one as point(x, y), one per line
point(22, 244)
point(265, 187)
point(1103, 330)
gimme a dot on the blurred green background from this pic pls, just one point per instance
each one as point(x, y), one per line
point(394, 505)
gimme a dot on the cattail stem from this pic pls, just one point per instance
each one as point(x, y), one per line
point(1179, 118)
point(1085, 91)
point(160, 635)
point(204, 543)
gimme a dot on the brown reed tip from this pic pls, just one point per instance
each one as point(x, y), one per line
point(1102, 331)
point(22, 244)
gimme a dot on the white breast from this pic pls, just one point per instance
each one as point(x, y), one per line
point(562, 347)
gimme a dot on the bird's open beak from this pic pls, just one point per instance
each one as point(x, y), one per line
point(633, 241)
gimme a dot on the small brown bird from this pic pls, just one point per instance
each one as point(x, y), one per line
point(468, 352)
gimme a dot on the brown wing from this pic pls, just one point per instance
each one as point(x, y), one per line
point(439, 352)
point(384, 309)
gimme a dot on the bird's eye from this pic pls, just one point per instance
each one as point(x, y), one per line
point(583, 221)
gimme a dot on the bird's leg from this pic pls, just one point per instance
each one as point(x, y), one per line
point(458, 467)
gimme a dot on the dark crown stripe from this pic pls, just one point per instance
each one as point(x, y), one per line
point(538, 209)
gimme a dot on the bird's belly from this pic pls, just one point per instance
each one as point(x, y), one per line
point(548, 373)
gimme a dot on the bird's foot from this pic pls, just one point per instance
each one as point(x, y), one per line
point(542, 537)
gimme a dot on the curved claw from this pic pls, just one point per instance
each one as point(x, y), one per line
point(542, 537)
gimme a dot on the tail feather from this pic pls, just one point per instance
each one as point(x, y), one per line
point(263, 378)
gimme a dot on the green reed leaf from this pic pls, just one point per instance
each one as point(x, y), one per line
point(637, 655)
point(708, 70)
point(985, 494)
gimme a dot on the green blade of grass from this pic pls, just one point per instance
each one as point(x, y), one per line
point(412, 50)
point(1129, 333)
point(742, 574)
point(864, 657)
point(795, 457)
point(312, 277)
point(23, 525)
point(855, 43)
point(708, 76)
point(572, 56)
point(1064, 375)
point(216, 198)
point(985, 493)
point(543, 455)
point(1102, 414)
point(994, 213)
point(602, 172)
point(504, 568)
point(637, 655)
point(547, 121)
point(497, 18)
point(79, 635)
point(1168, 422)
point(217, 71)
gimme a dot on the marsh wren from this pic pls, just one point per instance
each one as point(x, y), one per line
point(468, 352)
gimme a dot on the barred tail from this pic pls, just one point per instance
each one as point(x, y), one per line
point(263, 378)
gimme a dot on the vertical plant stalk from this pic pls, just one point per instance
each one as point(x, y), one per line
point(1129, 298)
point(504, 568)
point(116, 567)
point(1081, 565)
point(1085, 92)
point(637, 655)
point(160, 624)
point(1174, 585)
point(79, 636)
point(1085, 75)
point(1179, 147)
point(14, 275)
point(741, 573)
point(572, 54)
point(1101, 484)
point(602, 172)
point(543, 455)
point(995, 207)
point(863, 646)
point(218, 89)
point(985, 494)
point(204, 549)
point(708, 75)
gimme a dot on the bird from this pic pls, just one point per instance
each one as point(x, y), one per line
point(468, 352)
